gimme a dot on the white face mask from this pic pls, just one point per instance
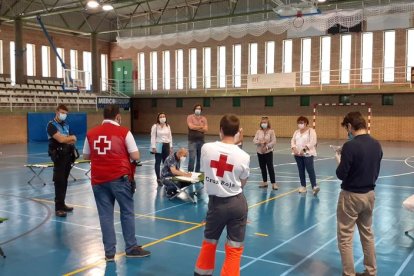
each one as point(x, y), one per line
point(197, 111)
point(301, 126)
point(263, 125)
point(182, 159)
point(62, 116)
point(163, 120)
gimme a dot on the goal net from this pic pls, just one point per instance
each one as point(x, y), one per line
point(327, 118)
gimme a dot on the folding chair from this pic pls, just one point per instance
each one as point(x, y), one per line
point(1, 250)
point(185, 190)
point(408, 204)
point(82, 162)
point(43, 166)
point(36, 174)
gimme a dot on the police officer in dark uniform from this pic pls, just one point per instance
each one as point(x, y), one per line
point(62, 152)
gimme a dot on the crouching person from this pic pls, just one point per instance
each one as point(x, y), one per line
point(170, 169)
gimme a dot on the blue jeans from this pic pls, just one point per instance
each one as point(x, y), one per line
point(306, 163)
point(194, 149)
point(105, 196)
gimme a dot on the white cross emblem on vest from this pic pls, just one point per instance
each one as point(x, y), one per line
point(102, 145)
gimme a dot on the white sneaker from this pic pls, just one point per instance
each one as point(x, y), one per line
point(302, 190)
point(315, 190)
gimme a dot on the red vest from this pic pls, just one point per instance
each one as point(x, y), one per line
point(109, 155)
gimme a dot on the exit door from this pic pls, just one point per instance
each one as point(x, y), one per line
point(122, 74)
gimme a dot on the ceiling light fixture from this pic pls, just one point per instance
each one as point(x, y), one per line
point(107, 7)
point(92, 4)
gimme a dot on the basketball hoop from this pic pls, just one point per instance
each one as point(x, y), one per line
point(81, 89)
point(299, 20)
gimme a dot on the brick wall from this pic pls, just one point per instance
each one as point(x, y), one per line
point(37, 38)
point(388, 122)
point(118, 53)
point(13, 129)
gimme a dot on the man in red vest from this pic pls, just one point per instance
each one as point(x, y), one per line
point(110, 148)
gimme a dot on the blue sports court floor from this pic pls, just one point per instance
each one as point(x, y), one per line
point(287, 233)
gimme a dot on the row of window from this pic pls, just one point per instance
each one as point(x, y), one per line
point(46, 71)
point(346, 53)
point(387, 99)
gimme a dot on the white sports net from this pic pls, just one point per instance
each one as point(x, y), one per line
point(321, 22)
point(329, 119)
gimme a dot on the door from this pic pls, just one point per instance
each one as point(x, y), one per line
point(122, 74)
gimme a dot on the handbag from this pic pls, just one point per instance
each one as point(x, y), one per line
point(158, 147)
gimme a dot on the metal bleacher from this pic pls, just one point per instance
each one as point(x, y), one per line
point(39, 93)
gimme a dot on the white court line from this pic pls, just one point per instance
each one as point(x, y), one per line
point(152, 213)
point(220, 251)
point(294, 163)
point(406, 162)
point(395, 175)
point(404, 264)
point(285, 242)
point(362, 257)
point(25, 155)
point(307, 257)
point(284, 176)
point(76, 167)
point(394, 186)
point(139, 236)
point(316, 251)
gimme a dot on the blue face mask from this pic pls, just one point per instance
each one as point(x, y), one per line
point(350, 136)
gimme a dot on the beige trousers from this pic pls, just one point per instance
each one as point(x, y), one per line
point(354, 208)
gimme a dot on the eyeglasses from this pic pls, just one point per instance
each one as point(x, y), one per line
point(265, 117)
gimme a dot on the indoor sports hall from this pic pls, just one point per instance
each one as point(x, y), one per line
point(272, 60)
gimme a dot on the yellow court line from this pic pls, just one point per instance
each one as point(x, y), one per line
point(178, 234)
point(282, 195)
point(136, 215)
point(168, 219)
point(261, 234)
point(123, 254)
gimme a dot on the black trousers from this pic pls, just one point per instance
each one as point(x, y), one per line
point(266, 161)
point(61, 170)
point(161, 157)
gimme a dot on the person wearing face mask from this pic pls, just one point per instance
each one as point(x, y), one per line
point(110, 147)
point(61, 151)
point(359, 166)
point(171, 168)
point(161, 142)
point(303, 145)
point(265, 140)
point(197, 127)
